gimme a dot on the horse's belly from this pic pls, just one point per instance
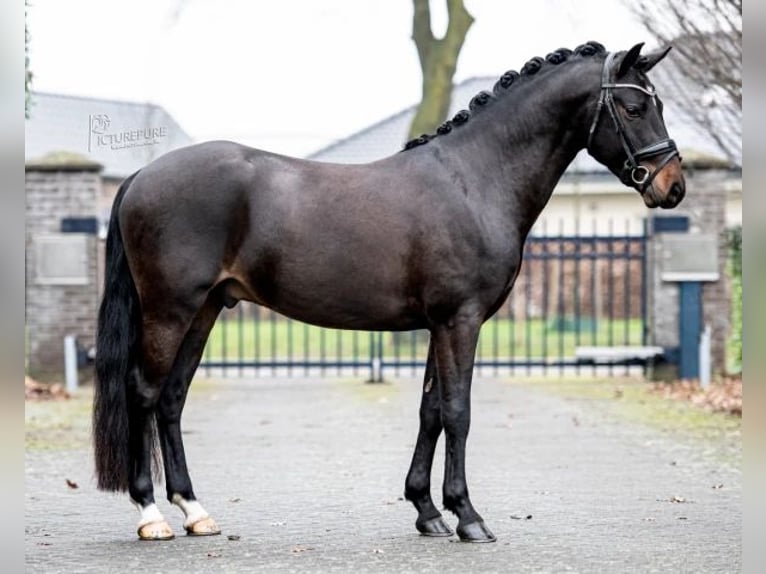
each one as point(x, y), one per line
point(334, 298)
point(337, 312)
point(338, 319)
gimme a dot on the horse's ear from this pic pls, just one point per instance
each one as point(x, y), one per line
point(648, 61)
point(630, 58)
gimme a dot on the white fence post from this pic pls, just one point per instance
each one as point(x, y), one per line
point(70, 363)
point(705, 358)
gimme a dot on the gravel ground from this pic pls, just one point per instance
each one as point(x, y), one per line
point(307, 476)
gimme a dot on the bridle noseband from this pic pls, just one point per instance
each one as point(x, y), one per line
point(632, 172)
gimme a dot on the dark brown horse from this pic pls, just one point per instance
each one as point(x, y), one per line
point(428, 238)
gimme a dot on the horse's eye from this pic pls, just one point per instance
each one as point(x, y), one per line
point(633, 111)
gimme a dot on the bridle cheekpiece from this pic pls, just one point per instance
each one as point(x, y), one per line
point(633, 172)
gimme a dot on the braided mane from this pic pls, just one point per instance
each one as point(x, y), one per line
point(503, 84)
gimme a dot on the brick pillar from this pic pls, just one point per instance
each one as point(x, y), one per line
point(705, 206)
point(61, 268)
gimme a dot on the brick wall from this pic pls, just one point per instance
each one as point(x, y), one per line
point(705, 205)
point(64, 187)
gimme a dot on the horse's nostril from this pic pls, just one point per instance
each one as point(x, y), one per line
point(676, 193)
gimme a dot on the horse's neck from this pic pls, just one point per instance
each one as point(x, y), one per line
point(521, 146)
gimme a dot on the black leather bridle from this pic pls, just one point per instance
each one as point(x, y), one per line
point(633, 173)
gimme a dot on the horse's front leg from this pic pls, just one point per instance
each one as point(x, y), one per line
point(417, 487)
point(454, 347)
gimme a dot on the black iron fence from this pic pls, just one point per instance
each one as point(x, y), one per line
point(572, 291)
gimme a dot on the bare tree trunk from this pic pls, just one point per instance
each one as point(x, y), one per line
point(438, 61)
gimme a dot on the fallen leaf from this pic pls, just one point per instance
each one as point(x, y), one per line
point(722, 396)
point(71, 484)
point(34, 390)
point(235, 499)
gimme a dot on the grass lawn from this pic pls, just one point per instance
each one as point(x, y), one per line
point(58, 424)
point(66, 423)
point(249, 339)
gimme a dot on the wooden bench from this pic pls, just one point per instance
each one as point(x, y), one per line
point(631, 355)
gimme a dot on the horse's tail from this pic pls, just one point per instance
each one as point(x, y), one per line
point(118, 341)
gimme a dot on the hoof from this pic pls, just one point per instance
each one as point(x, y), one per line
point(159, 530)
point(475, 532)
point(203, 527)
point(434, 527)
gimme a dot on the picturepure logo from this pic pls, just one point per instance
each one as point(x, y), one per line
point(101, 136)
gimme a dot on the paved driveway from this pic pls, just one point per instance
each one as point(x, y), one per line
point(308, 475)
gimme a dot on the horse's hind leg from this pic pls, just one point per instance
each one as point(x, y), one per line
point(167, 316)
point(171, 403)
point(161, 338)
point(418, 484)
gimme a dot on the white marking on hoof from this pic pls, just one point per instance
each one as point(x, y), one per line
point(198, 521)
point(192, 510)
point(149, 513)
point(152, 525)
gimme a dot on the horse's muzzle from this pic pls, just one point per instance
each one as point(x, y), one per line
point(667, 187)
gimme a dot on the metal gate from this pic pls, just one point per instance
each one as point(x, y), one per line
point(572, 291)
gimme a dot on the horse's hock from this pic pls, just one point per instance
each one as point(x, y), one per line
point(62, 283)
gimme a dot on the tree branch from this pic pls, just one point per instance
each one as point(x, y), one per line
point(438, 61)
point(460, 22)
point(421, 30)
point(706, 62)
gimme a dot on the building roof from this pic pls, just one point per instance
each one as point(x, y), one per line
point(388, 135)
point(122, 136)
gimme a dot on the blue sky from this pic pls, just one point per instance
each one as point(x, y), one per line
point(294, 75)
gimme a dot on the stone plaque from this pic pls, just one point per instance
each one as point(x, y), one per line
point(61, 259)
point(689, 257)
